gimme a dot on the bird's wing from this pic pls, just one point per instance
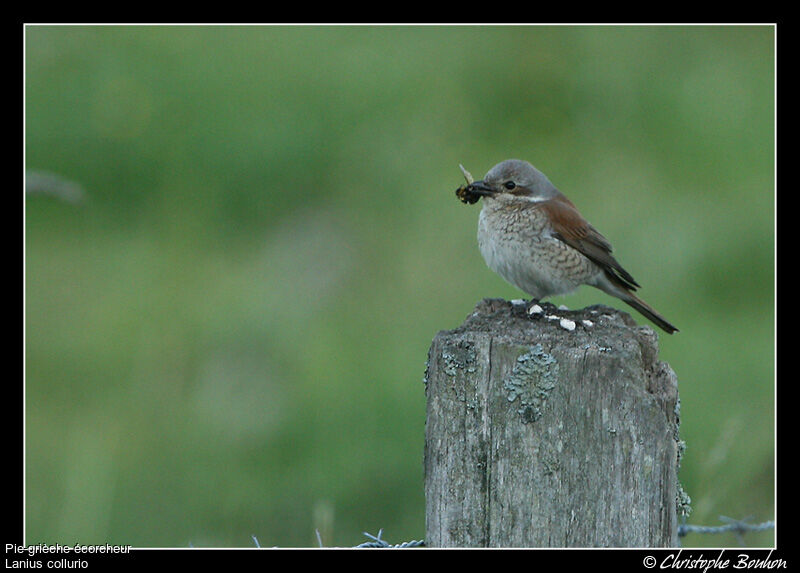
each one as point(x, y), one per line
point(570, 227)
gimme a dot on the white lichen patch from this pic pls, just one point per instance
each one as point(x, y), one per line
point(535, 309)
point(567, 324)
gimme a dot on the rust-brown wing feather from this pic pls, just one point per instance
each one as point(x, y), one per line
point(570, 227)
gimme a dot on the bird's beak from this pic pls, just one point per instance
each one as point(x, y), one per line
point(481, 188)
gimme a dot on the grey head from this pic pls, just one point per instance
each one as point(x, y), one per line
point(515, 179)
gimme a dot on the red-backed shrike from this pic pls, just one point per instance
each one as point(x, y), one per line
point(534, 237)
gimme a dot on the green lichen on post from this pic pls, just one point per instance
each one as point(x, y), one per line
point(532, 379)
point(683, 503)
point(460, 356)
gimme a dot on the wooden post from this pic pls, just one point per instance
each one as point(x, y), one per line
point(543, 432)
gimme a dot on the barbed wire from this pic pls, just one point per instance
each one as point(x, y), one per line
point(737, 526)
point(378, 542)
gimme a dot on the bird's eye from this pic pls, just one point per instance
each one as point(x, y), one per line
point(509, 185)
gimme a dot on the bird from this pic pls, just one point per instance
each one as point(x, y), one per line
point(536, 239)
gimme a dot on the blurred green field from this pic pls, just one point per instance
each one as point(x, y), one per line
point(227, 335)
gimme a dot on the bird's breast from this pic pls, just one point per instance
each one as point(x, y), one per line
point(519, 245)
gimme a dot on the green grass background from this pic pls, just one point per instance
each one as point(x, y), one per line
point(228, 335)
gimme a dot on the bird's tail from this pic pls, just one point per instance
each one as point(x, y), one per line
point(649, 312)
point(614, 286)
